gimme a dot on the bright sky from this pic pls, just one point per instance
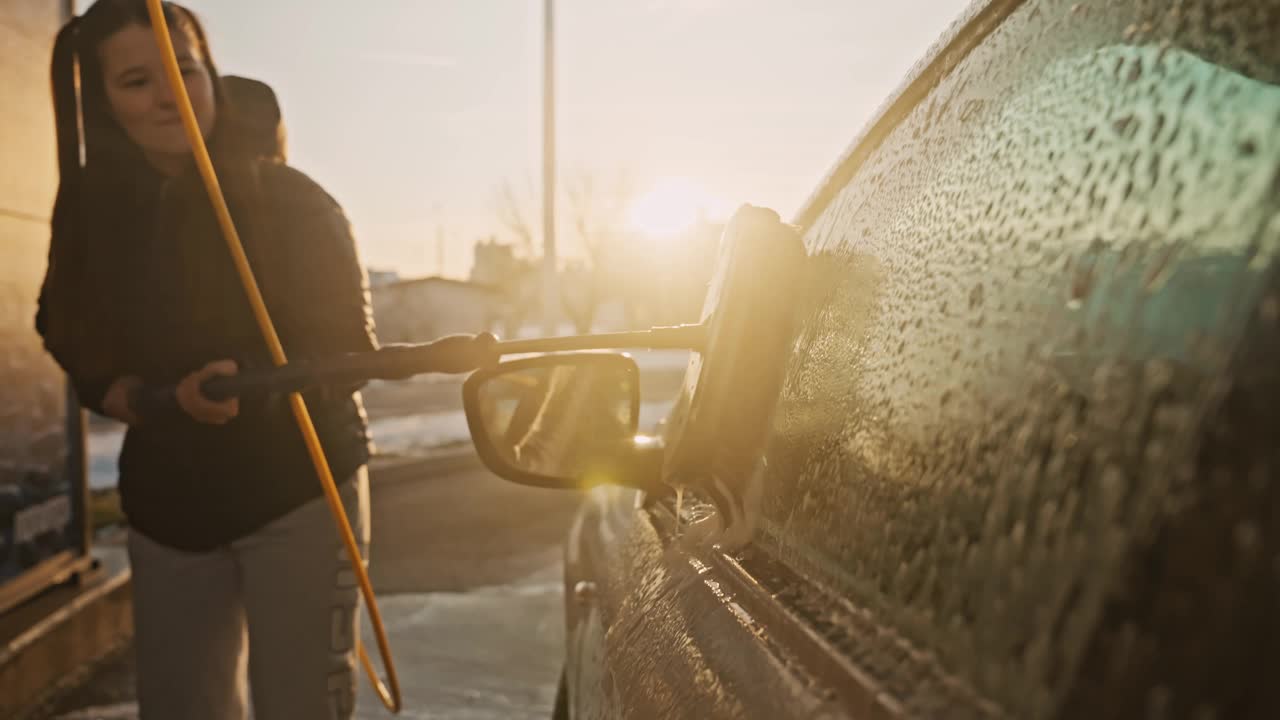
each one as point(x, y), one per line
point(412, 112)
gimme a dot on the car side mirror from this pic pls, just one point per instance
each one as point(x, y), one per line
point(562, 421)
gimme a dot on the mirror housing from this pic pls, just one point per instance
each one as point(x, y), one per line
point(565, 421)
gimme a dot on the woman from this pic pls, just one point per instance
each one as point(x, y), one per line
point(235, 558)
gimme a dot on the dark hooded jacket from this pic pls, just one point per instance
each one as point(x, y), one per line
point(172, 300)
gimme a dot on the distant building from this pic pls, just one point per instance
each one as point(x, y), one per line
point(422, 309)
point(44, 538)
point(495, 263)
point(378, 278)
point(517, 280)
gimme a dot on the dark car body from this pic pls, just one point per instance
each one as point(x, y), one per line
point(1023, 462)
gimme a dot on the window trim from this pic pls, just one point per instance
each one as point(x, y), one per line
point(968, 31)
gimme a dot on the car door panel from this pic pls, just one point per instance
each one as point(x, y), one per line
point(989, 462)
point(676, 633)
point(1022, 308)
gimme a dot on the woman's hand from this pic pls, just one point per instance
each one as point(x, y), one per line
point(195, 404)
point(116, 403)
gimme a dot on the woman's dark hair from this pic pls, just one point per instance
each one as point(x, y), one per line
point(77, 315)
point(78, 44)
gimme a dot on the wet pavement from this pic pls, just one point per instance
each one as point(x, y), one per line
point(487, 653)
point(468, 568)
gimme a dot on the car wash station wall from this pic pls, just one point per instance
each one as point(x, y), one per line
point(38, 495)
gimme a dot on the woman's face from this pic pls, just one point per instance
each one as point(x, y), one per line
point(139, 96)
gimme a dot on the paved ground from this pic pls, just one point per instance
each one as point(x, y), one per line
point(467, 567)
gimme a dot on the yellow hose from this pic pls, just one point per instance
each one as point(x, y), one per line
point(391, 699)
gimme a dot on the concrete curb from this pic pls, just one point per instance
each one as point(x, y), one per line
point(56, 651)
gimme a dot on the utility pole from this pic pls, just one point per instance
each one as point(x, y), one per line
point(440, 249)
point(549, 294)
point(438, 215)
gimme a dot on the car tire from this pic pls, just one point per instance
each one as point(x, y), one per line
point(561, 709)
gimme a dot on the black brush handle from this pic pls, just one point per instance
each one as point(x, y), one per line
point(450, 354)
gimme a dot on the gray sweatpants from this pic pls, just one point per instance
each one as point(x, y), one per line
point(276, 608)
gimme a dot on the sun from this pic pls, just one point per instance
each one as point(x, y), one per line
point(669, 208)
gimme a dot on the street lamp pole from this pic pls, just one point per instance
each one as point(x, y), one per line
point(550, 296)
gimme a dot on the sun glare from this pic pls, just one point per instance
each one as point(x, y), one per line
point(669, 208)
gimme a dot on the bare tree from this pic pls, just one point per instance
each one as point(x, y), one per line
point(514, 210)
point(596, 210)
point(510, 263)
